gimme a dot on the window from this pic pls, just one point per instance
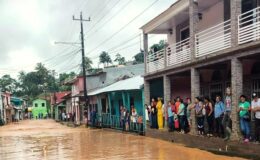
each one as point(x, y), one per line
point(36, 105)
point(43, 104)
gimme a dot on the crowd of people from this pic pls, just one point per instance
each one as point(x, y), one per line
point(212, 116)
point(128, 118)
point(67, 117)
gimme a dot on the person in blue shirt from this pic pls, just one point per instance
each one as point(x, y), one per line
point(218, 114)
point(170, 115)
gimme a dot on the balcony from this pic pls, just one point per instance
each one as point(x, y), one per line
point(249, 26)
point(179, 52)
point(155, 61)
point(213, 39)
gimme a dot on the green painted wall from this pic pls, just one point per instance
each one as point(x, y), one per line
point(124, 97)
point(39, 106)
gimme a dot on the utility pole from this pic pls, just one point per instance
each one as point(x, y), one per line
point(83, 55)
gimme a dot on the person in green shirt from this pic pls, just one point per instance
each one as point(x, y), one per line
point(244, 107)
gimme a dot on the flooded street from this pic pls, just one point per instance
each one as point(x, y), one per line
point(46, 139)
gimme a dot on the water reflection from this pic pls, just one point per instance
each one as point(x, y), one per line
point(51, 141)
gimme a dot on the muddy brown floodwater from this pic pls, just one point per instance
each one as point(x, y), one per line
point(46, 139)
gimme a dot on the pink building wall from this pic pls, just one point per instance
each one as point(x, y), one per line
point(77, 87)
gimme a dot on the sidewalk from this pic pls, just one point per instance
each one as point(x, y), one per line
point(213, 144)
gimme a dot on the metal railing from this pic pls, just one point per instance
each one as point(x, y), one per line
point(105, 120)
point(213, 39)
point(179, 52)
point(155, 61)
point(116, 122)
point(249, 26)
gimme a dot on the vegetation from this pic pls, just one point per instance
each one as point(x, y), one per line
point(34, 83)
point(105, 58)
point(139, 57)
point(120, 59)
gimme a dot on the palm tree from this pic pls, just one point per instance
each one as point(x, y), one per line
point(88, 63)
point(105, 58)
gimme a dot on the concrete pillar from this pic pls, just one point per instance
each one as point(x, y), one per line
point(166, 94)
point(147, 92)
point(235, 10)
point(166, 89)
point(195, 92)
point(145, 41)
point(110, 108)
point(237, 90)
point(193, 20)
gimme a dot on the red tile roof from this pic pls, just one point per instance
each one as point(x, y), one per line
point(60, 95)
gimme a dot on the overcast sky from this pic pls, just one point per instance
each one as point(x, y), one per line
point(29, 29)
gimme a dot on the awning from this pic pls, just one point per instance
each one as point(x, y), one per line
point(134, 83)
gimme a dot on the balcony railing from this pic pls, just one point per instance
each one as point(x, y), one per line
point(155, 61)
point(179, 52)
point(213, 39)
point(249, 26)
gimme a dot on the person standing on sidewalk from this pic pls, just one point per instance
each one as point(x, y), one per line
point(199, 116)
point(227, 123)
point(244, 115)
point(159, 113)
point(219, 112)
point(256, 109)
point(209, 116)
point(181, 116)
point(170, 115)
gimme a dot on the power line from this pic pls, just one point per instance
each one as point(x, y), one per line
point(126, 47)
point(100, 19)
point(124, 42)
point(132, 20)
point(113, 16)
point(58, 58)
point(64, 59)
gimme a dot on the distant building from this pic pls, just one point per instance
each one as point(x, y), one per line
point(59, 102)
point(7, 107)
point(94, 82)
point(1, 110)
point(18, 109)
point(39, 108)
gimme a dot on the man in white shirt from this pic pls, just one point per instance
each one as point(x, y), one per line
point(256, 109)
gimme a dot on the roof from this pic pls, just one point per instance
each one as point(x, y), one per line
point(133, 83)
point(70, 81)
point(112, 75)
point(60, 96)
point(173, 10)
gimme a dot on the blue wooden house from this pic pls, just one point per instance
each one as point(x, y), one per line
point(125, 93)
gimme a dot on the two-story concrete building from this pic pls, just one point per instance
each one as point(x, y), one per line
point(212, 44)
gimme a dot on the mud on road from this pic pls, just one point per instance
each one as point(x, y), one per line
point(48, 140)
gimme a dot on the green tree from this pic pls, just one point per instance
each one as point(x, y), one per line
point(120, 59)
point(139, 57)
point(42, 72)
point(7, 83)
point(62, 78)
point(157, 47)
point(88, 63)
point(105, 59)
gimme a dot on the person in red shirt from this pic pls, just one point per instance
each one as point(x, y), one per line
point(177, 104)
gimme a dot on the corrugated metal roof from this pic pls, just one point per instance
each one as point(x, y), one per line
point(123, 85)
